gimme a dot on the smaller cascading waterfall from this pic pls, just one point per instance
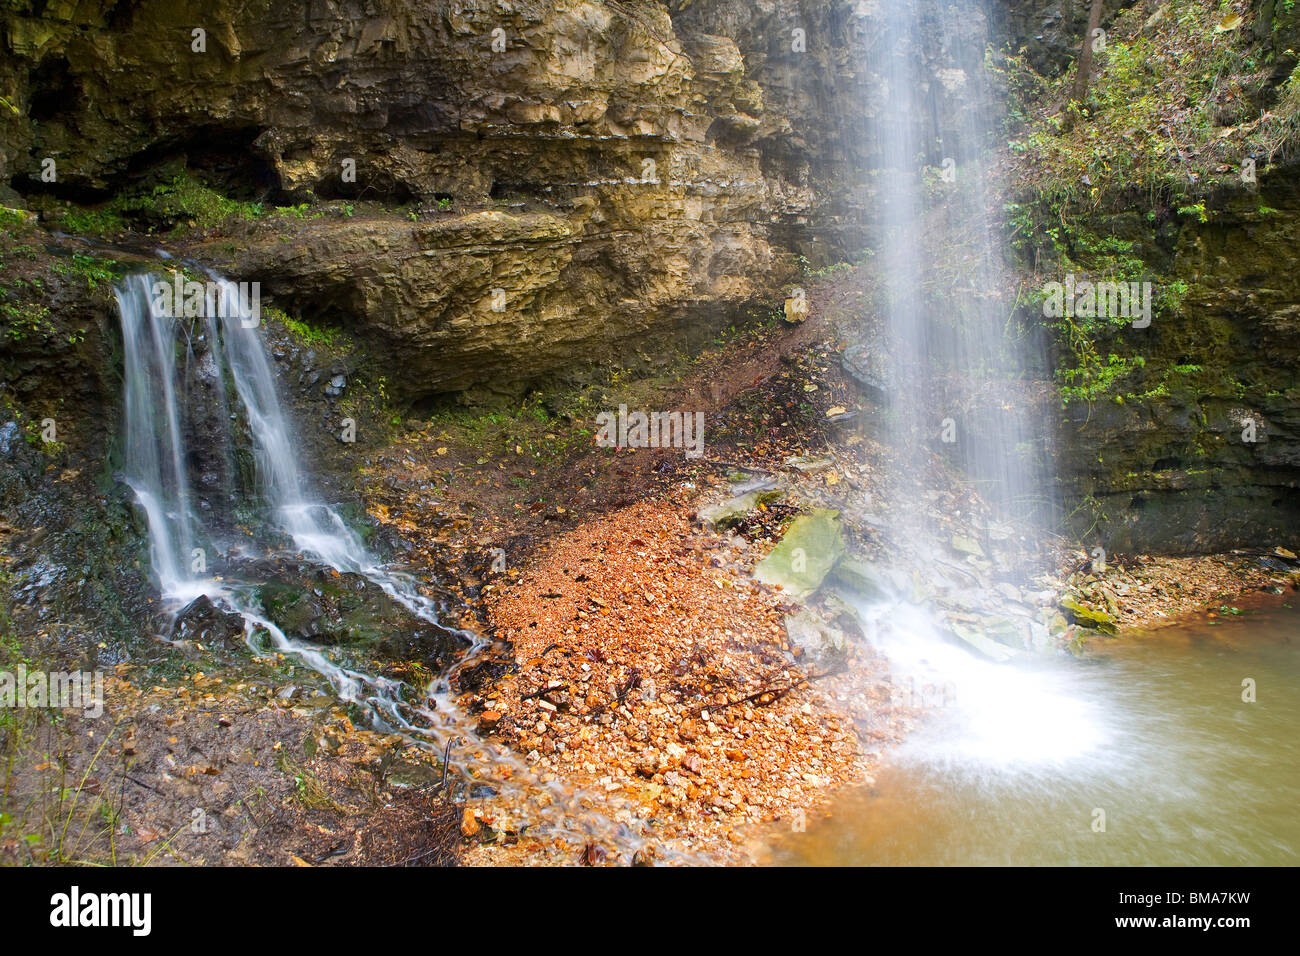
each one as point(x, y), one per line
point(161, 410)
point(314, 527)
point(154, 463)
point(174, 367)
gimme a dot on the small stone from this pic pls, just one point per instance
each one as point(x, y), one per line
point(645, 856)
point(469, 824)
point(9, 435)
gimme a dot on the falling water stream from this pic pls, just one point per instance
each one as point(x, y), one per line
point(157, 467)
point(178, 372)
point(957, 368)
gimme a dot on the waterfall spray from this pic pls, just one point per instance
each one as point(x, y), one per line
point(958, 366)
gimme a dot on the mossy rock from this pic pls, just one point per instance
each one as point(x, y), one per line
point(348, 610)
point(1087, 617)
point(976, 639)
point(863, 579)
point(811, 547)
point(733, 511)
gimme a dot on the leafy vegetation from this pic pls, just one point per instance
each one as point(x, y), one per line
point(1185, 102)
point(1179, 100)
point(314, 335)
point(181, 202)
point(95, 271)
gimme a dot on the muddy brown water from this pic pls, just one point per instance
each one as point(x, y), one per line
point(1145, 753)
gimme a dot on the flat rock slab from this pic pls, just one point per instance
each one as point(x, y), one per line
point(823, 644)
point(812, 545)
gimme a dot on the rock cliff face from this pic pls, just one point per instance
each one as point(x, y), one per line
point(1189, 439)
point(1198, 448)
point(563, 178)
point(564, 183)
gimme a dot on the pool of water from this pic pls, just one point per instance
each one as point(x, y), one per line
point(1144, 753)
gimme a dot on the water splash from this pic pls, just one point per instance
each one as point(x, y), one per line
point(995, 716)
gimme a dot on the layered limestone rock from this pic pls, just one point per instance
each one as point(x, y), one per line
point(568, 183)
point(564, 177)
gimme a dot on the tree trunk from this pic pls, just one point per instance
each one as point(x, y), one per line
point(1085, 56)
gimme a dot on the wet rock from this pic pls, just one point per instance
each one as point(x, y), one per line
point(414, 773)
point(645, 856)
point(868, 368)
point(743, 484)
point(1009, 591)
point(973, 637)
point(808, 464)
point(796, 309)
point(861, 578)
point(812, 545)
point(10, 433)
point(823, 645)
point(733, 511)
point(1005, 630)
point(203, 622)
point(964, 545)
point(469, 825)
point(295, 611)
point(326, 607)
point(842, 418)
point(1273, 564)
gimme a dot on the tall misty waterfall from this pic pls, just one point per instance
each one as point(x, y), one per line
point(955, 363)
point(957, 376)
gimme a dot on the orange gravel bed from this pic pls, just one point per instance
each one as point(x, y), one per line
point(650, 665)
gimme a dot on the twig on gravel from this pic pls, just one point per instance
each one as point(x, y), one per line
point(776, 692)
point(739, 467)
point(446, 762)
point(542, 692)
